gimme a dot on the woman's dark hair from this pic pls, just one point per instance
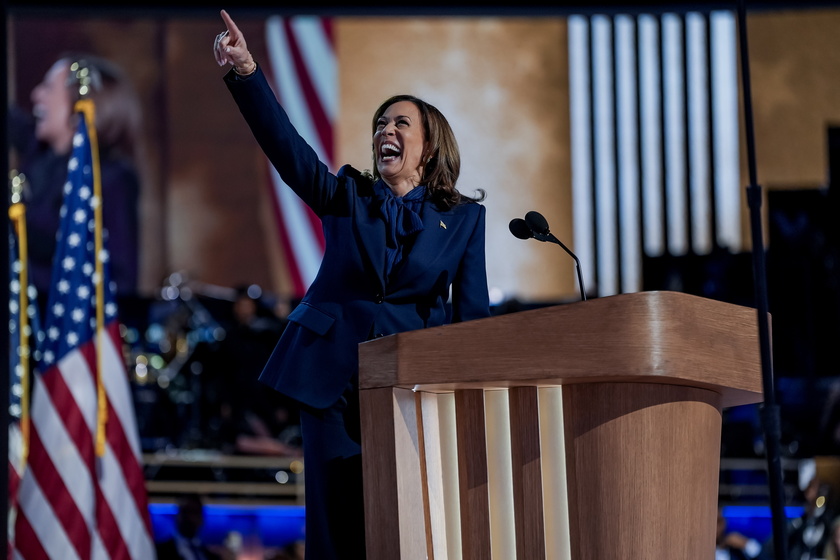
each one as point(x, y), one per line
point(442, 161)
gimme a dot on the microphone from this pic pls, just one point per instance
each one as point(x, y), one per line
point(536, 226)
point(520, 229)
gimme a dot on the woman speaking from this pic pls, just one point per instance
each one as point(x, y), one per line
point(398, 241)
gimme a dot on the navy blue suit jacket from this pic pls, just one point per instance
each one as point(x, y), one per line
point(350, 300)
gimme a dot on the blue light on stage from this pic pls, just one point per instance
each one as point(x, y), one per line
point(755, 521)
point(277, 526)
point(274, 526)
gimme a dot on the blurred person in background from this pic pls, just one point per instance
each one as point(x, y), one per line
point(185, 542)
point(42, 141)
point(731, 545)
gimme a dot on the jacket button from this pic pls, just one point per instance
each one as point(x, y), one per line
point(378, 298)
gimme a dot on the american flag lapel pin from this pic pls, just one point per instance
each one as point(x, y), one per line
point(442, 224)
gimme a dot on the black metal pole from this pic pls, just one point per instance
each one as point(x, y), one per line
point(769, 409)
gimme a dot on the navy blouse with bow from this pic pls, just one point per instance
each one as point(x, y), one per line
point(402, 221)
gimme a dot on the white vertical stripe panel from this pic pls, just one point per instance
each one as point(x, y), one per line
point(651, 137)
point(307, 251)
point(581, 155)
point(319, 58)
point(500, 474)
point(554, 480)
point(604, 156)
point(40, 515)
point(725, 100)
point(675, 175)
point(698, 133)
point(451, 482)
point(287, 85)
point(628, 150)
point(435, 471)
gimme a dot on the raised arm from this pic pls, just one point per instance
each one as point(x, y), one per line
point(290, 154)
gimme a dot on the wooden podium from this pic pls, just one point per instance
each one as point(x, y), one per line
point(583, 431)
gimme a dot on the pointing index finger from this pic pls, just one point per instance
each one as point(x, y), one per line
point(229, 23)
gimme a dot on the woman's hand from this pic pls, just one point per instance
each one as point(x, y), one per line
point(230, 47)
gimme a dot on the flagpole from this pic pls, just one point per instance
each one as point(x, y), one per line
point(4, 309)
point(87, 109)
point(17, 213)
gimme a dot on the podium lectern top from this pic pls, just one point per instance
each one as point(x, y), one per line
point(649, 337)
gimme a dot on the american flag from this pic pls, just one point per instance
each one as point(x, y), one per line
point(75, 503)
point(303, 72)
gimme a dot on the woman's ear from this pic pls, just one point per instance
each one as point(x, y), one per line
point(428, 154)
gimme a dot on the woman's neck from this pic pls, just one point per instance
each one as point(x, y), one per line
point(402, 188)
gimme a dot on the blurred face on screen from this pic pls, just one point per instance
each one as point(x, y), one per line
point(399, 144)
point(52, 108)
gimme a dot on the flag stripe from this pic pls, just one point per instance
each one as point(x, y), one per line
point(56, 440)
point(119, 395)
point(317, 114)
point(317, 53)
point(115, 492)
point(123, 442)
point(32, 545)
point(128, 476)
point(288, 87)
point(15, 468)
point(303, 64)
point(308, 249)
point(292, 266)
point(59, 528)
point(107, 526)
point(327, 30)
point(123, 487)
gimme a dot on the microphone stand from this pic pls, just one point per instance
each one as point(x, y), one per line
point(769, 409)
point(550, 237)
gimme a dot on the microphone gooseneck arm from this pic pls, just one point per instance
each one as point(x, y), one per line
point(536, 226)
point(550, 237)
